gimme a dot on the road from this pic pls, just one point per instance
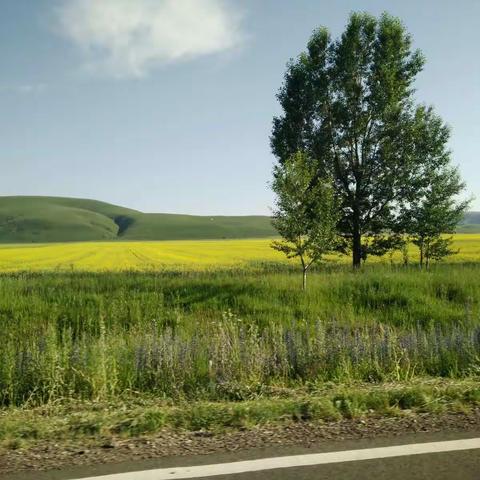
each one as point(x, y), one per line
point(421, 456)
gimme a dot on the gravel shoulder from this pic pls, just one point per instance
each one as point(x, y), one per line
point(44, 456)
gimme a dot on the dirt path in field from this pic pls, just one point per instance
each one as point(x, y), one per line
point(48, 456)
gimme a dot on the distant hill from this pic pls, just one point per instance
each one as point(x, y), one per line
point(471, 223)
point(57, 219)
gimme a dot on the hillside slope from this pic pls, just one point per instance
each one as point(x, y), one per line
point(52, 219)
point(471, 223)
point(166, 226)
point(57, 219)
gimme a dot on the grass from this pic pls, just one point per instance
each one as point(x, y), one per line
point(57, 219)
point(98, 422)
point(223, 335)
point(129, 338)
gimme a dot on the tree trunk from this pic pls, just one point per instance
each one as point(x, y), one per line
point(304, 282)
point(356, 246)
point(421, 254)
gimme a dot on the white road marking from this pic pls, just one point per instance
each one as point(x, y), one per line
point(311, 459)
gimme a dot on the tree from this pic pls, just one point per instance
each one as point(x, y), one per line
point(380, 245)
point(438, 211)
point(349, 104)
point(306, 213)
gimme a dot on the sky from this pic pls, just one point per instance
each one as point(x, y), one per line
point(167, 105)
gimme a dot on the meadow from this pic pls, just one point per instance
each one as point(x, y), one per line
point(228, 334)
point(216, 324)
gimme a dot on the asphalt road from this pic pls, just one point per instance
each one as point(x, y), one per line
point(444, 466)
point(461, 464)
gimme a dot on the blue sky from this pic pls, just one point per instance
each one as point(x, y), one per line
point(166, 105)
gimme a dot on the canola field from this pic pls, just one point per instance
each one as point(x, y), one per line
point(176, 255)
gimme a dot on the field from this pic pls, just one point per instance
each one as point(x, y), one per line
point(184, 255)
point(137, 256)
point(128, 338)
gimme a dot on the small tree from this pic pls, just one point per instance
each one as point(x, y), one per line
point(438, 212)
point(437, 249)
point(306, 215)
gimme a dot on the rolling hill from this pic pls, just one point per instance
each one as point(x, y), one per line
point(57, 219)
point(471, 223)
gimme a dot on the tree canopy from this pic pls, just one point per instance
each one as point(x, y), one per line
point(349, 104)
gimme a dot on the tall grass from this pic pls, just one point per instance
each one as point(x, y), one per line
point(227, 335)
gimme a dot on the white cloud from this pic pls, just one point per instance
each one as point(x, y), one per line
point(129, 37)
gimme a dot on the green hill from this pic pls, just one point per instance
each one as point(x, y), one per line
point(164, 226)
point(56, 219)
point(471, 223)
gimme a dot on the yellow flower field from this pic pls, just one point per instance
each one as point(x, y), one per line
point(184, 254)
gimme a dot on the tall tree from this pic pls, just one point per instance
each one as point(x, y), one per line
point(306, 214)
point(349, 104)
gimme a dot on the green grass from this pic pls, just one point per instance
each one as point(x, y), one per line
point(226, 335)
point(100, 422)
point(56, 219)
point(89, 358)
